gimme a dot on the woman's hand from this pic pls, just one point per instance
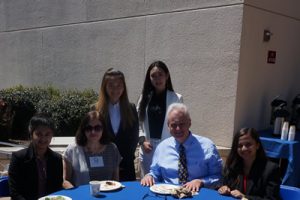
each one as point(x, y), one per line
point(224, 190)
point(147, 147)
point(237, 194)
point(67, 185)
point(194, 185)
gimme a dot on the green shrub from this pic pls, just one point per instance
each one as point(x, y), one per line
point(6, 116)
point(23, 102)
point(66, 107)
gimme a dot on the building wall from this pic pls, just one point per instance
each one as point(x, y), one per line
point(70, 44)
point(258, 81)
point(214, 50)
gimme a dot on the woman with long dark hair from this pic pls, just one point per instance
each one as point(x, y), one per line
point(248, 173)
point(121, 119)
point(93, 156)
point(157, 95)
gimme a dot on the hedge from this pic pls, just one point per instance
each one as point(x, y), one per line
point(66, 107)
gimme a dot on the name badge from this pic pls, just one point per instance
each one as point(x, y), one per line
point(96, 161)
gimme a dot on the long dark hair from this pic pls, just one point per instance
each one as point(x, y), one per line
point(234, 163)
point(81, 138)
point(148, 88)
point(127, 115)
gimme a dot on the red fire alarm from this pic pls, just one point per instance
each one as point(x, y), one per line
point(271, 57)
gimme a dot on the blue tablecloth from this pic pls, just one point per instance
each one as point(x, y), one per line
point(134, 191)
point(277, 148)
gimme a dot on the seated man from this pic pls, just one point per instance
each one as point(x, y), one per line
point(184, 158)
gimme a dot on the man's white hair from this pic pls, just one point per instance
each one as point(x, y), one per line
point(178, 106)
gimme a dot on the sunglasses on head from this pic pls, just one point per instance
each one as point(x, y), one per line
point(96, 128)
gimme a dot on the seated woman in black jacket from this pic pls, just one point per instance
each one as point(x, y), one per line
point(248, 174)
point(36, 171)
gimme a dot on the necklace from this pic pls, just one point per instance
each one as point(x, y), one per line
point(94, 150)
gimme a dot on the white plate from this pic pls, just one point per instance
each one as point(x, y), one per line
point(108, 185)
point(52, 197)
point(163, 188)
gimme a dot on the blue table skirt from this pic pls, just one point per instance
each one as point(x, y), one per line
point(4, 191)
point(134, 191)
point(277, 148)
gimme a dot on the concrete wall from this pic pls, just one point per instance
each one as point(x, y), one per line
point(214, 50)
point(26, 14)
point(258, 81)
point(69, 44)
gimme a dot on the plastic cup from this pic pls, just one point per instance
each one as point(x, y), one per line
point(95, 188)
point(292, 132)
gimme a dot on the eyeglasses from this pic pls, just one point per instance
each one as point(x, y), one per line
point(175, 125)
point(96, 128)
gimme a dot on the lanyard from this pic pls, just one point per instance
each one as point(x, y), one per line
point(244, 184)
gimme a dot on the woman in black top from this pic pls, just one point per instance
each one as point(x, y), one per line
point(157, 95)
point(248, 173)
point(36, 171)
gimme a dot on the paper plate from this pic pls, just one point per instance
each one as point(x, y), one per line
point(109, 185)
point(163, 188)
point(55, 197)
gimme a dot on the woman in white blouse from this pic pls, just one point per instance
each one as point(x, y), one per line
point(157, 95)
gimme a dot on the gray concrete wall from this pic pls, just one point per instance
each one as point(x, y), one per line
point(213, 48)
point(69, 44)
point(258, 81)
point(26, 14)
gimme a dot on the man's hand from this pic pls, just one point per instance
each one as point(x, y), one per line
point(224, 190)
point(148, 180)
point(147, 147)
point(194, 185)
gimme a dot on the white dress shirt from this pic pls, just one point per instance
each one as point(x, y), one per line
point(115, 116)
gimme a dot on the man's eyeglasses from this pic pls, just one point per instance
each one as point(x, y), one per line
point(175, 125)
point(96, 128)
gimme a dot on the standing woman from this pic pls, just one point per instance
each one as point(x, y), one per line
point(37, 170)
point(93, 156)
point(248, 173)
point(157, 95)
point(120, 118)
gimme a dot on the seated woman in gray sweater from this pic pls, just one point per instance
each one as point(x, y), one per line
point(93, 156)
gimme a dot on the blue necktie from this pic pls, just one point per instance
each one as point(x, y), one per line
point(182, 168)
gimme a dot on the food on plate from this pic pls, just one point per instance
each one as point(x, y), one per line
point(182, 192)
point(166, 188)
point(110, 183)
point(55, 198)
point(163, 188)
